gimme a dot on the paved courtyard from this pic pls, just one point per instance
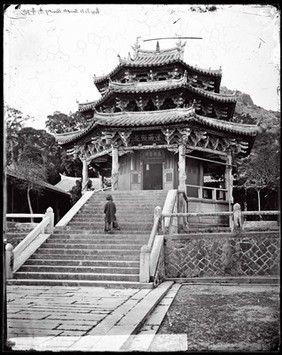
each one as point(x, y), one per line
point(188, 318)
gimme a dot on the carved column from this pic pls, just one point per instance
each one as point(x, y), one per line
point(85, 177)
point(115, 167)
point(181, 168)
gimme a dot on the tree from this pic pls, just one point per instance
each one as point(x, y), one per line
point(260, 170)
point(75, 192)
point(61, 123)
point(14, 122)
point(31, 173)
point(31, 141)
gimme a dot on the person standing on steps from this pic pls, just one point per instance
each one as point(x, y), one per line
point(110, 215)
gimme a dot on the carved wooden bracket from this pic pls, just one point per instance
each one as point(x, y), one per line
point(124, 135)
point(185, 134)
point(158, 101)
point(121, 104)
point(141, 103)
point(178, 100)
point(168, 133)
point(151, 75)
point(175, 74)
point(129, 78)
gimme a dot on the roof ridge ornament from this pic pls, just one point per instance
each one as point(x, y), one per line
point(120, 59)
point(136, 47)
point(158, 47)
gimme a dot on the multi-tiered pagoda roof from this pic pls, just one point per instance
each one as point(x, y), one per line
point(156, 89)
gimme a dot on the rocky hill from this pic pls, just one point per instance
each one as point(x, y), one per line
point(247, 112)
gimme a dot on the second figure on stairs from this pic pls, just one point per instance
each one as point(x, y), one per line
point(110, 215)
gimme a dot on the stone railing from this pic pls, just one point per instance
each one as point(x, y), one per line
point(152, 253)
point(237, 220)
point(16, 257)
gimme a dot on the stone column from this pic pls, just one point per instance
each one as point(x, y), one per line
point(229, 178)
point(229, 184)
point(85, 177)
point(115, 167)
point(181, 168)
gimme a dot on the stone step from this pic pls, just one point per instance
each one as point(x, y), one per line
point(125, 225)
point(125, 217)
point(129, 194)
point(44, 254)
point(91, 246)
point(121, 213)
point(78, 269)
point(76, 276)
point(81, 253)
point(96, 241)
point(211, 229)
point(148, 203)
point(80, 283)
point(94, 263)
point(67, 229)
point(148, 208)
point(118, 235)
point(92, 252)
point(86, 251)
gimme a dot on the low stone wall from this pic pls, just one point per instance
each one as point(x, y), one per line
point(222, 254)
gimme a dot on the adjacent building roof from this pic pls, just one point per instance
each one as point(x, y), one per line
point(43, 184)
point(68, 182)
point(156, 118)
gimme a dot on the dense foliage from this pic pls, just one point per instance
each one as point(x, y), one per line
point(258, 175)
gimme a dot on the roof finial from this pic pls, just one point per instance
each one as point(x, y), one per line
point(136, 47)
point(158, 47)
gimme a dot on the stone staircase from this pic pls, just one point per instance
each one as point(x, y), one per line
point(82, 254)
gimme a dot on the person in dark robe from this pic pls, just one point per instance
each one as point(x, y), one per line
point(110, 215)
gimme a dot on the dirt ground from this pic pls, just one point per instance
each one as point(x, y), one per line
point(226, 318)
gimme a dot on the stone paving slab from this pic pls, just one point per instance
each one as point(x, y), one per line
point(145, 336)
point(76, 318)
point(52, 311)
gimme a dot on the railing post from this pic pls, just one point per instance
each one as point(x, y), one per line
point(144, 274)
point(200, 192)
point(50, 227)
point(214, 194)
point(9, 261)
point(157, 214)
point(237, 217)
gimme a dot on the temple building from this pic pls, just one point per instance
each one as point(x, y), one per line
point(162, 124)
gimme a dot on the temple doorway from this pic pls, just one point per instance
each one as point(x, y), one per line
point(153, 176)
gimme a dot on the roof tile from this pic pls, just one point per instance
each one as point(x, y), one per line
point(161, 117)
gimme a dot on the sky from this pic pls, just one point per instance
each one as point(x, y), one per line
point(52, 52)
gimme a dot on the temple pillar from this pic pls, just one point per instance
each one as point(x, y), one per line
point(181, 168)
point(229, 178)
point(229, 183)
point(115, 167)
point(85, 177)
